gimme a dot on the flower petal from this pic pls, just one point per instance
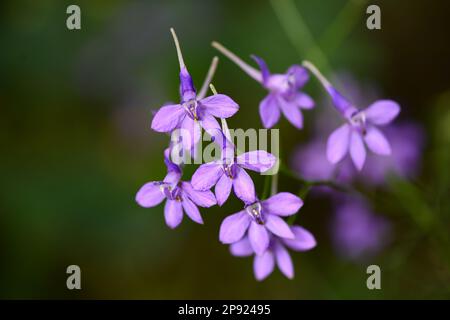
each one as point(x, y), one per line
point(223, 189)
point(300, 74)
point(337, 145)
point(243, 186)
point(263, 265)
point(284, 261)
point(191, 210)
point(206, 175)
point(167, 118)
point(304, 240)
point(304, 101)
point(150, 195)
point(292, 112)
point(278, 226)
point(190, 133)
point(220, 105)
point(204, 199)
point(269, 111)
point(382, 111)
point(282, 204)
point(233, 227)
point(173, 213)
point(259, 237)
point(263, 67)
point(357, 150)
point(242, 248)
point(377, 142)
point(259, 160)
point(210, 124)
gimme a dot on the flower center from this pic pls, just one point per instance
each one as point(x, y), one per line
point(358, 121)
point(229, 170)
point(191, 108)
point(254, 210)
point(169, 192)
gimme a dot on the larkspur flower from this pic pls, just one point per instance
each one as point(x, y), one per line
point(357, 232)
point(179, 195)
point(284, 95)
point(229, 172)
point(261, 219)
point(276, 253)
point(360, 127)
point(192, 113)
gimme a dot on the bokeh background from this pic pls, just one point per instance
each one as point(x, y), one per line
point(76, 143)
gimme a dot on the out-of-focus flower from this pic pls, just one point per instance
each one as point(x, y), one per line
point(284, 95)
point(260, 219)
point(230, 172)
point(192, 114)
point(179, 195)
point(357, 232)
point(276, 253)
point(360, 127)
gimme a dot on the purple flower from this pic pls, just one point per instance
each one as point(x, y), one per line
point(191, 113)
point(360, 127)
point(180, 196)
point(276, 252)
point(260, 219)
point(284, 96)
point(229, 172)
point(356, 231)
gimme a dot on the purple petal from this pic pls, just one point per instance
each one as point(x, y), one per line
point(282, 204)
point(292, 112)
point(269, 111)
point(191, 210)
point(337, 145)
point(204, 199)
point(210, 124)
point(357, 150)
point(382, 111)
point(206, 176)
point(220, 105)
point(190, 132)
point(304, 240)
point(233, 227)
point(150, 195)
point(173, 213)
point(278, 226)
point(243, 186)
point(259, 237)
point(377, 142)
point(300, 74)
point(263, 265)
point(263, 67)
point(284, 261)
point(259, 160)
point(341, 103)
point(304, 101)
point(167, 118)
point(242, 248)
point(223, 189)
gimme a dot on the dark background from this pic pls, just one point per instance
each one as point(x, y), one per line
point(75, 132)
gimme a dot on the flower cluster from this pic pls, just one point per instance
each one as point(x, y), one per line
point(260, 229)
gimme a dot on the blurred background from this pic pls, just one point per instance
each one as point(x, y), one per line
point(77, 145)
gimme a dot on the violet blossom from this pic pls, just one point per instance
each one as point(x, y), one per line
point(360, 127)
point(261, 219)
point(284, 95)
point(229, 172)
point(276, 253)
point(192, 113)
point(179, 195)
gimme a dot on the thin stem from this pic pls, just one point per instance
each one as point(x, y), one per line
point(298, 32)
point(225, 129)
point(274, 186)
point(308, 65)
point(252, 72)
point(208, 79)
point(177, 46)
